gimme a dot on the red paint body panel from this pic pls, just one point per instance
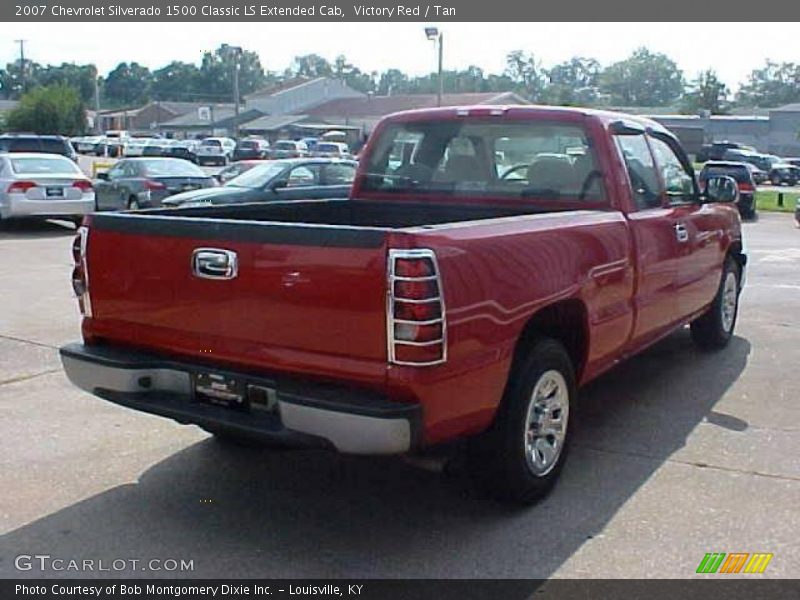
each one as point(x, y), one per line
point(320, 312)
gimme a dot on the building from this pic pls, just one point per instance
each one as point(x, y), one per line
point(364, 112)
point(150, 117)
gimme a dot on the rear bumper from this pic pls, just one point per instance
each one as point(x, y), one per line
point(22, 207)
point(309, 414)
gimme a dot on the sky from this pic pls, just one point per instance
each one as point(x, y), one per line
point(378, 46)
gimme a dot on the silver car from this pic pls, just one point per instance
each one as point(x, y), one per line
point(43, 185)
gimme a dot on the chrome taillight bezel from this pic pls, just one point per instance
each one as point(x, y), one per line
point(391, 300)
point(82, 267)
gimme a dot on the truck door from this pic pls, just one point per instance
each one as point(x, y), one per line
point(698, 227)
point(655, 240)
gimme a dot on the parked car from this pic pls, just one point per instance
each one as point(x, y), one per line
point(440, 303)
point(310, 142)
point(784, 173)
point(88, 144)
point(113, 143)
point(134, 147)
point(236, 169)
point(332, 150)
point(759, 176)
point(31, 142)
point(182, 149)
point(156, 147)
point(251, 149)
point(792, 161)
point(288, 179)
point(741, 173)
point(215, 150)
point(289, 149)
point(135, 183)
point(717, 150)
point(43, 186)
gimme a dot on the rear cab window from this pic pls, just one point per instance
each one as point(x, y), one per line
point(525, 160)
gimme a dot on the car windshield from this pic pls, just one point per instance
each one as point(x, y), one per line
point(171, 168)
point(248, 145)
point(23, 145)
point(327, 148)
point(546, 160)
point(53, 146)
point(285, 145)
point(258, 176)
point(216, 143)
point(33, 165)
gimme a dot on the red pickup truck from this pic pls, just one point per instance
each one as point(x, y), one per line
point(489, 262)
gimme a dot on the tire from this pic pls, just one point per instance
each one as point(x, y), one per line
point(714, 329)
point(511, 463)
point(133, 203)
point(775, 180)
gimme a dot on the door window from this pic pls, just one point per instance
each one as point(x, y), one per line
point(340, 174)
point(306, 175)
point(678, 183)
point(641, 170)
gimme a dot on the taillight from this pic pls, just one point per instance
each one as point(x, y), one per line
point(745, 187)
point(80, 273)
point(154, 186)
point(417, 330)
point(83, 185)
point(20, 187)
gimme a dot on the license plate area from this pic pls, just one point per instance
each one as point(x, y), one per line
point(234, 392)
point(220, 389)
point(54, 192)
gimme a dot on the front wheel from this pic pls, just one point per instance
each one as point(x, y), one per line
point(520, 458)
point(714, 329)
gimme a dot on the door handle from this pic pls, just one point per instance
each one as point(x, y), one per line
point(681, 233)
point(214, 263)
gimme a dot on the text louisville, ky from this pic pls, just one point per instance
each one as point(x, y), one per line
point(189, 591)
point(223, 11)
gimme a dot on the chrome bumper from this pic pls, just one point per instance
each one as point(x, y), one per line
point(16, 207)
point(351, 421)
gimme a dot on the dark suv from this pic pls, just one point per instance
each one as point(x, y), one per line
point(30, 142)
point(717, 150)
point(744, 179)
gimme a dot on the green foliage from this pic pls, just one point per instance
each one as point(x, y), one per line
point(643, 79)
point(775, 84)
point(706, 92)
point(53, 109)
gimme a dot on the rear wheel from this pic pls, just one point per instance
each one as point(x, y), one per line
point(133, 203)
point(714, 329)
point(520, 458)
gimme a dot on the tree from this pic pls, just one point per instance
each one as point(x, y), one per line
point(573, 82)
point(128, 84)
point(773, 85)
point(217, 68)
point(53, 109)
point(706, 92)
point(176, 81)
point(18, 77)
point(643, 79)
point(526, 73)
point(311, 65)
point(80, 77)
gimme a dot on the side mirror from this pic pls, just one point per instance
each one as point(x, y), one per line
point(722, 189)
point(103, 176)
point(279, 184)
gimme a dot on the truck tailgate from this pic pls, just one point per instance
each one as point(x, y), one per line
point(300, 294)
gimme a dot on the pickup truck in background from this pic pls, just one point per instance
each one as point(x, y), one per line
point(489, 262)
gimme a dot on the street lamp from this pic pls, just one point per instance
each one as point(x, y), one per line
point(437, 37)
point(236, 53)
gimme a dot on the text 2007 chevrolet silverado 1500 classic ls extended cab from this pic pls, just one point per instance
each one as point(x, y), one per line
point(489, 262)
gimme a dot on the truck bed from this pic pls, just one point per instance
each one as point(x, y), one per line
point(359, 213)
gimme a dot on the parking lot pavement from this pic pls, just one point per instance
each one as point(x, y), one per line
point(678, 453)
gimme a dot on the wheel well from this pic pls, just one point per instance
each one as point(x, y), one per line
point(564, 321)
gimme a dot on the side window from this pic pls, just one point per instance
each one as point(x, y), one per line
point(678, 184)
point(304, 176)
point(641, 170)
point(116, 172)
point(339, 174)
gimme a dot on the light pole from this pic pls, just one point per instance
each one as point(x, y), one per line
point(437, 37)
point(236, 52)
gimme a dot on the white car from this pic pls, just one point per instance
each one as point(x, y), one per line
point(43, 185)
point(216, 150)
point(134, 146)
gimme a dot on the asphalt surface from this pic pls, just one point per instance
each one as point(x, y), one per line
point(679, 453)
